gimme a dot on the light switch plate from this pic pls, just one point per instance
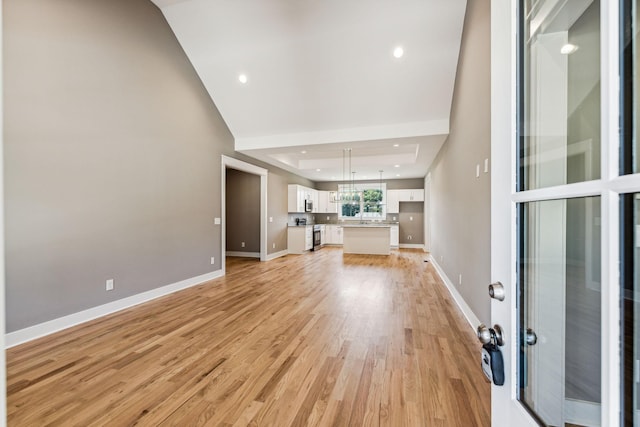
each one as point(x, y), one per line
point(216, 221)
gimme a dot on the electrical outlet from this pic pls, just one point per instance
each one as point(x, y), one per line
point(394, 218)
point(274, 246)
point(270, 219)
point(216, 221)
point(213, 260)
point(327, 218)
point(109, 285)
point(460, 279)
point(242, 244)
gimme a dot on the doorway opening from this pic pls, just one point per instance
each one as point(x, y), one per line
point(229, 163)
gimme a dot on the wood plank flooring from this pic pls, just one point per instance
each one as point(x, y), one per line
point(321, 339)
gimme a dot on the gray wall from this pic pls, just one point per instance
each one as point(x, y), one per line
point(411, 223)
point(460, 202)
point(112, 158)
point(242, 211)
point(277, 206)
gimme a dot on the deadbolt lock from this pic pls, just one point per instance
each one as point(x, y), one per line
point(496, 291)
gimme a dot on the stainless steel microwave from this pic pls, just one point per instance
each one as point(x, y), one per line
point(308, 206)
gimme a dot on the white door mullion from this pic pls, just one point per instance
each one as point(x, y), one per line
point(610, 298)
point(565, 191)
point(625, 184)
point(610, 220)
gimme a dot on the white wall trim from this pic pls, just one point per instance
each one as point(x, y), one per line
point(398, 130)
point(462, 304)
point(244, 254)
point(582, 413)
point(37, 331)
point(277, 254)
point(412, 246)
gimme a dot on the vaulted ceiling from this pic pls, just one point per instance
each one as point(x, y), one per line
point(321, 76)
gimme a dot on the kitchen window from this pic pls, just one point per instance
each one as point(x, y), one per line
point(363, 201)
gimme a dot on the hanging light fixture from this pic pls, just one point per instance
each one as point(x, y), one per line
point(347, 192)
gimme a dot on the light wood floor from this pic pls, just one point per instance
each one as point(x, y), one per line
point(317, 339)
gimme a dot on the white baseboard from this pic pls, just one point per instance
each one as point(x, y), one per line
point(277, 255)
point(37, 331)
point(582, 413)
point(243, 254)
point(411, 246)
point(462, 304)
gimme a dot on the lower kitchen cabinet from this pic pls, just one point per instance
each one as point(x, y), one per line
point(395, 235)
point(299, 239)
point(333, 234)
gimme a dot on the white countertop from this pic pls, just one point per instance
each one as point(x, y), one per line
point(367, 225)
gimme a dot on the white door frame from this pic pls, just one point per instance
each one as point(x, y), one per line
point(3, 368)
point(506, 410)
point(231, 163)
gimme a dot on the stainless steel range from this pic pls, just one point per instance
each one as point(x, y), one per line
point(317, 237)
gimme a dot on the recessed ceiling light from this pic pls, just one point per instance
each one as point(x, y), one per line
point(242, 78)
point(398, 52)
point(397, 174)
point(568, 49)
point(304, 151)
point(396, 145)
point(396, 166)
point(317, 170)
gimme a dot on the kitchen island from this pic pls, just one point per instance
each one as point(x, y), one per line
point(368, 239)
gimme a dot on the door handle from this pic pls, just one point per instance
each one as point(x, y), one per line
point(484, 335)
point(487, 335)
point(530, 337)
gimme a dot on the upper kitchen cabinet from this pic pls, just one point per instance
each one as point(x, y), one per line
point(394, 197)
point(325, 205)
point(393, 201)
point(416, 195)
point(297, 197)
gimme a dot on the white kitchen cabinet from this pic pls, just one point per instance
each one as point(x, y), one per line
point(334, 234)
point(324, 202)
point(314, 198)
point(393, 201)
point(395, 235)
point(296, 196)
point(414, 195)
point(308, 237)
point(394, 197)
point(299, 239)
point(295, 199)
